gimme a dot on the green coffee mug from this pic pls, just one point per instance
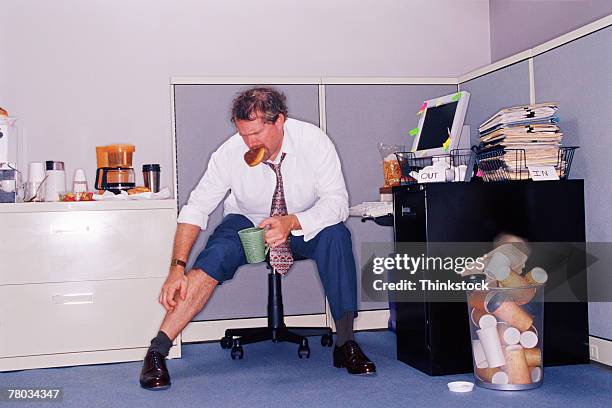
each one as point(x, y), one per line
point(253, 244)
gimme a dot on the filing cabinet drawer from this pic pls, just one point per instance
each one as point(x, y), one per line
point(78, 316)
point(85, 245)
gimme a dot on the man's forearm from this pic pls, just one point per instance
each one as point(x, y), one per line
point(184, 238)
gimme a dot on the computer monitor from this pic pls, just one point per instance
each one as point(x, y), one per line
point(440, 124)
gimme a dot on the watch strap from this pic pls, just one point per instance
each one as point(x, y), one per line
point(178, 262)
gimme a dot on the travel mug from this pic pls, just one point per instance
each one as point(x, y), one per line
point(151, 176)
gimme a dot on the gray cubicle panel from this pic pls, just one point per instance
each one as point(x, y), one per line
point(358, 118)
point(578, 76)
point(491, 92)
point(202, 115)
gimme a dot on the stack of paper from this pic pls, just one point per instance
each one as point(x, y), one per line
point(520, 136)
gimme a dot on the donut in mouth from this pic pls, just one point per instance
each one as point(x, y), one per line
point(256, 155)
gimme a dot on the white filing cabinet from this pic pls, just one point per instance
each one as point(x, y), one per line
point(79, 282)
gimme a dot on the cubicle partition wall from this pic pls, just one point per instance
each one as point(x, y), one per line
point(358, 117)
point(488, 93)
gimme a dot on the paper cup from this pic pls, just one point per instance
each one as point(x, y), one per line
point(36, 172)
point(537, 276)
point(529, 339)
point(512, 280)
point(489, 338)
point(499, 378)
point(508, 311)
point(533, 357)
point(499, 265)
point(486, 321)
point(516, 366)
point(479, 355)
point(508, 335)
point(536, 374)
point(477, 301)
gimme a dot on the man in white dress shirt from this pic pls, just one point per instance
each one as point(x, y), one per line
point(314, 206)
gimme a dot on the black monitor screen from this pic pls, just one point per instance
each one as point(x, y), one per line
point(438, 122)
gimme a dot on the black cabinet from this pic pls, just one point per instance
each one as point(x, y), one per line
point(433, 336)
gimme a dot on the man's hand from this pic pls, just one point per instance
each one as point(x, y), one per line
point(176, 281)
point(279, 228)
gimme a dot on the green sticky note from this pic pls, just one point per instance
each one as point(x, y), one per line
point(456, 97)
point(413, 132)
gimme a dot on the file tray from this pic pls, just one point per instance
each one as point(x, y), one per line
point(511, 164)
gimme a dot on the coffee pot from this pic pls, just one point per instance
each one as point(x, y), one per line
point(115, 172)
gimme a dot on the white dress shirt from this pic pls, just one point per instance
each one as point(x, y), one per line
point(312, 180)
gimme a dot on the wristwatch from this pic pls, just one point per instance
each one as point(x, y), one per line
point(177, 262)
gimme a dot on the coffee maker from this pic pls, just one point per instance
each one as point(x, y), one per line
point(115, 172)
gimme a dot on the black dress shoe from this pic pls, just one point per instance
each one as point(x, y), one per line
point(350, 356)
point(154, 374)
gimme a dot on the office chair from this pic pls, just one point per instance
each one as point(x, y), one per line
point(276, 329)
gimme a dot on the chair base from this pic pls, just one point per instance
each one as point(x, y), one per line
point(235, 338)
point(276, 329)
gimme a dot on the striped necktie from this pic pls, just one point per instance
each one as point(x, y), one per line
point(281, 258)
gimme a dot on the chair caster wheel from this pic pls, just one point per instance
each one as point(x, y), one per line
point(304, 352)
point(226, 342)
point(327, 340)
point(237, 352)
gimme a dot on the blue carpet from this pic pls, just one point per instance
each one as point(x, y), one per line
point(271, 375)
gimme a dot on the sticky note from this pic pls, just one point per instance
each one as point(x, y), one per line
point(446, 144)
point(456, 97)
point(439, 102)
point(413, 132)
point(422, 108)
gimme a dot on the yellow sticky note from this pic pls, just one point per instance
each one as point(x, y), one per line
point(446, 144)
point(456, 97)
point(439, 102)
point(413, 132)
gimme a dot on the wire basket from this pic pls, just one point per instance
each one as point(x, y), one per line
point(408, 162)
point(511, 164)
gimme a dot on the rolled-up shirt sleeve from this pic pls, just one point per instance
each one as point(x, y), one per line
point(207, 195)
point(332, 204)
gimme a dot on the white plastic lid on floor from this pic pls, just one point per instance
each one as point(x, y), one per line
point(460, 386)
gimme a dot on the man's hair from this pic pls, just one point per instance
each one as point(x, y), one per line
point(267, 102)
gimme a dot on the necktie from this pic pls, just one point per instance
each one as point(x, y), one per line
point(281, 258)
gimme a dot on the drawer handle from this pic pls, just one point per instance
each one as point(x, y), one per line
point(70, 229)
point(76, 299)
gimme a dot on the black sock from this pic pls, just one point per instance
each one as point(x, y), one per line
point(161, 343)
point(344, 328)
